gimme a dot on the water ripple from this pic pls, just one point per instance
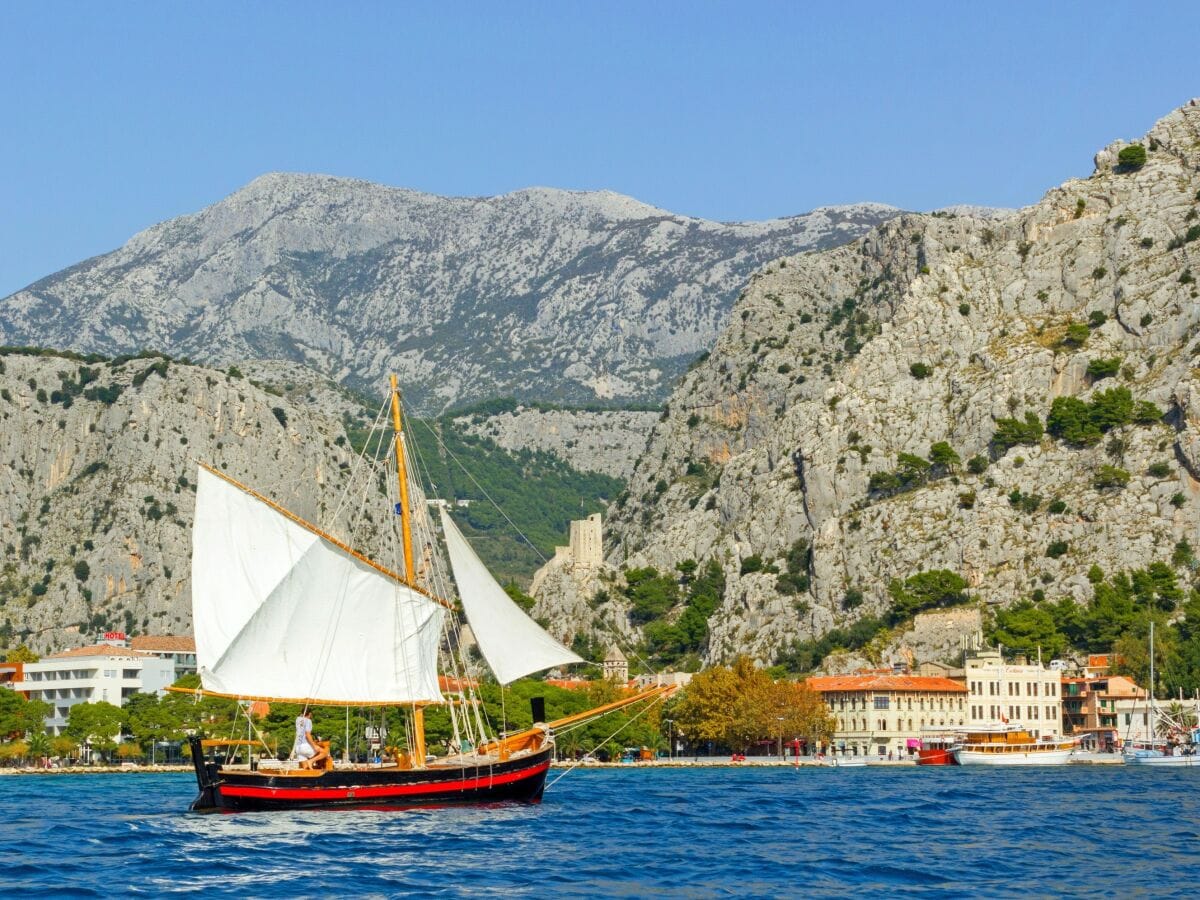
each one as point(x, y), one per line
point(753, 832)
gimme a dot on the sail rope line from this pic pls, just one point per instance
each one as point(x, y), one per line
point(483, 491)
point(456, 644)
point(649, 706)
point(359, 463)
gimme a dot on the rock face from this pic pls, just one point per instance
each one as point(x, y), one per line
point(541, 294)
point(607, 441)
point(932, 328)
point(97, 491)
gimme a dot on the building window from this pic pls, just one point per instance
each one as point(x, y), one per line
point(881, 702)
point(110, 673)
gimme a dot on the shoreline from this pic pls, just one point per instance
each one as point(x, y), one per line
point(689, 763)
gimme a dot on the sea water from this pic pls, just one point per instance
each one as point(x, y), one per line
point(696, 832)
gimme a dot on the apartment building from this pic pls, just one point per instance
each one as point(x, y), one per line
point(881, 713)
point(1018, 693)
point(103, 672)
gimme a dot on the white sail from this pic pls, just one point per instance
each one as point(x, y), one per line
point(511, 642)
point(280, 612)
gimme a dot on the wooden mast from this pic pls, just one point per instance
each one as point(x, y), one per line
point(418, 712)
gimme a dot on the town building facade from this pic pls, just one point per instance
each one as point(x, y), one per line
point(1020, 693)
point(180, 648)
point(885, 713)
point(103, 672)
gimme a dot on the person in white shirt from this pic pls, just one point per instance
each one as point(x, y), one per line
point(306, 748)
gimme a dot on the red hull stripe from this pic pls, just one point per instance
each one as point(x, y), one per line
point(368, 792)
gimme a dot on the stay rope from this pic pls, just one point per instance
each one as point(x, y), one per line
point(649, 706)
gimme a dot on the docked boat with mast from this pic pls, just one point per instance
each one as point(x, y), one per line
point(1174, 731)
point(285, 612)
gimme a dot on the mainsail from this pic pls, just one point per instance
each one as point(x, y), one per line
point(280, 612)
point(511, 642)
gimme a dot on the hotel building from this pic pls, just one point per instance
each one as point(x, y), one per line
point(103, 672)
point(1018, 693)
point(878, 713)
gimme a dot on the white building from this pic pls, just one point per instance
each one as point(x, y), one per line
point(91, 674)
point(180, 648)
point(1020, 693)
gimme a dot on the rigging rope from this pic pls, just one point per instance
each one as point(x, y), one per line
point(649, 706)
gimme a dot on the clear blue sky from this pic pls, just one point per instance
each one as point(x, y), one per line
point(114, 116)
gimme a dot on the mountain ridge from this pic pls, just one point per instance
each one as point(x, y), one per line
point(540, 293)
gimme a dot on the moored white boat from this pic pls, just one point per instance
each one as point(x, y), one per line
point(1012, 746)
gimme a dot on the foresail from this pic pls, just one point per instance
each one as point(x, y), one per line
point(511, 642)
point(280, 612)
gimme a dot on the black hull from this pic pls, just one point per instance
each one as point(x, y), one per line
point(515, 781)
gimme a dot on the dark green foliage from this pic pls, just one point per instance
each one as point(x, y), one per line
point(1070, 421)
point(1076, 422)
point(934, 589)
point(1146, 320)
point(1147, 243)
point(1103, 368)
point(1026, 503)
point(1057, 549)
point(693, 420)
point(667, 642)
point(38, 589)
point(1178, 500)
point(1187, 277)
point(280, 415)
point(1112, 408)
point(1146, 413)
point(1076, 335)
point(1012, 432)
point(1096, 318)
point(964, 309)
point(943, 456)
point(911, 473)
point(1056, 507)
point(1132, 157)
point(82, 571)
point(159, 368)
point(852, 599)
point(795, 578)
point(1026, 628)
point(920, 370)
point(805, 656)
point(1110, 477)
point(1159, 469)
point(106, 395)
point(651, 595)
point(977, 464)
point(752, 563)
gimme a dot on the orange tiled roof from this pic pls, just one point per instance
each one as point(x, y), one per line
point(880, 682)
point(99, 650)
point(168, 642)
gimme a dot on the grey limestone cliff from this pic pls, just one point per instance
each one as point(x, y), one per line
point(98, 469)
point(934, 328)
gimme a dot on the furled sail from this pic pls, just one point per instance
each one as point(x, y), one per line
point(281, 612)
point(511, 642)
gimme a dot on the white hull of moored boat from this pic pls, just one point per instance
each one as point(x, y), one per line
point(1049, 757)
point(1132, 759)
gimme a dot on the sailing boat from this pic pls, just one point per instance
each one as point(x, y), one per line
point(285, 612)
point(1180, 744)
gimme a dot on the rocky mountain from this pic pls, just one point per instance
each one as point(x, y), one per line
point(1014, 399)
point(605, 441)
point(543, 294)
point(97, 482)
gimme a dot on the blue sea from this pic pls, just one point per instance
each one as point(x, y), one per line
point(723, 832)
